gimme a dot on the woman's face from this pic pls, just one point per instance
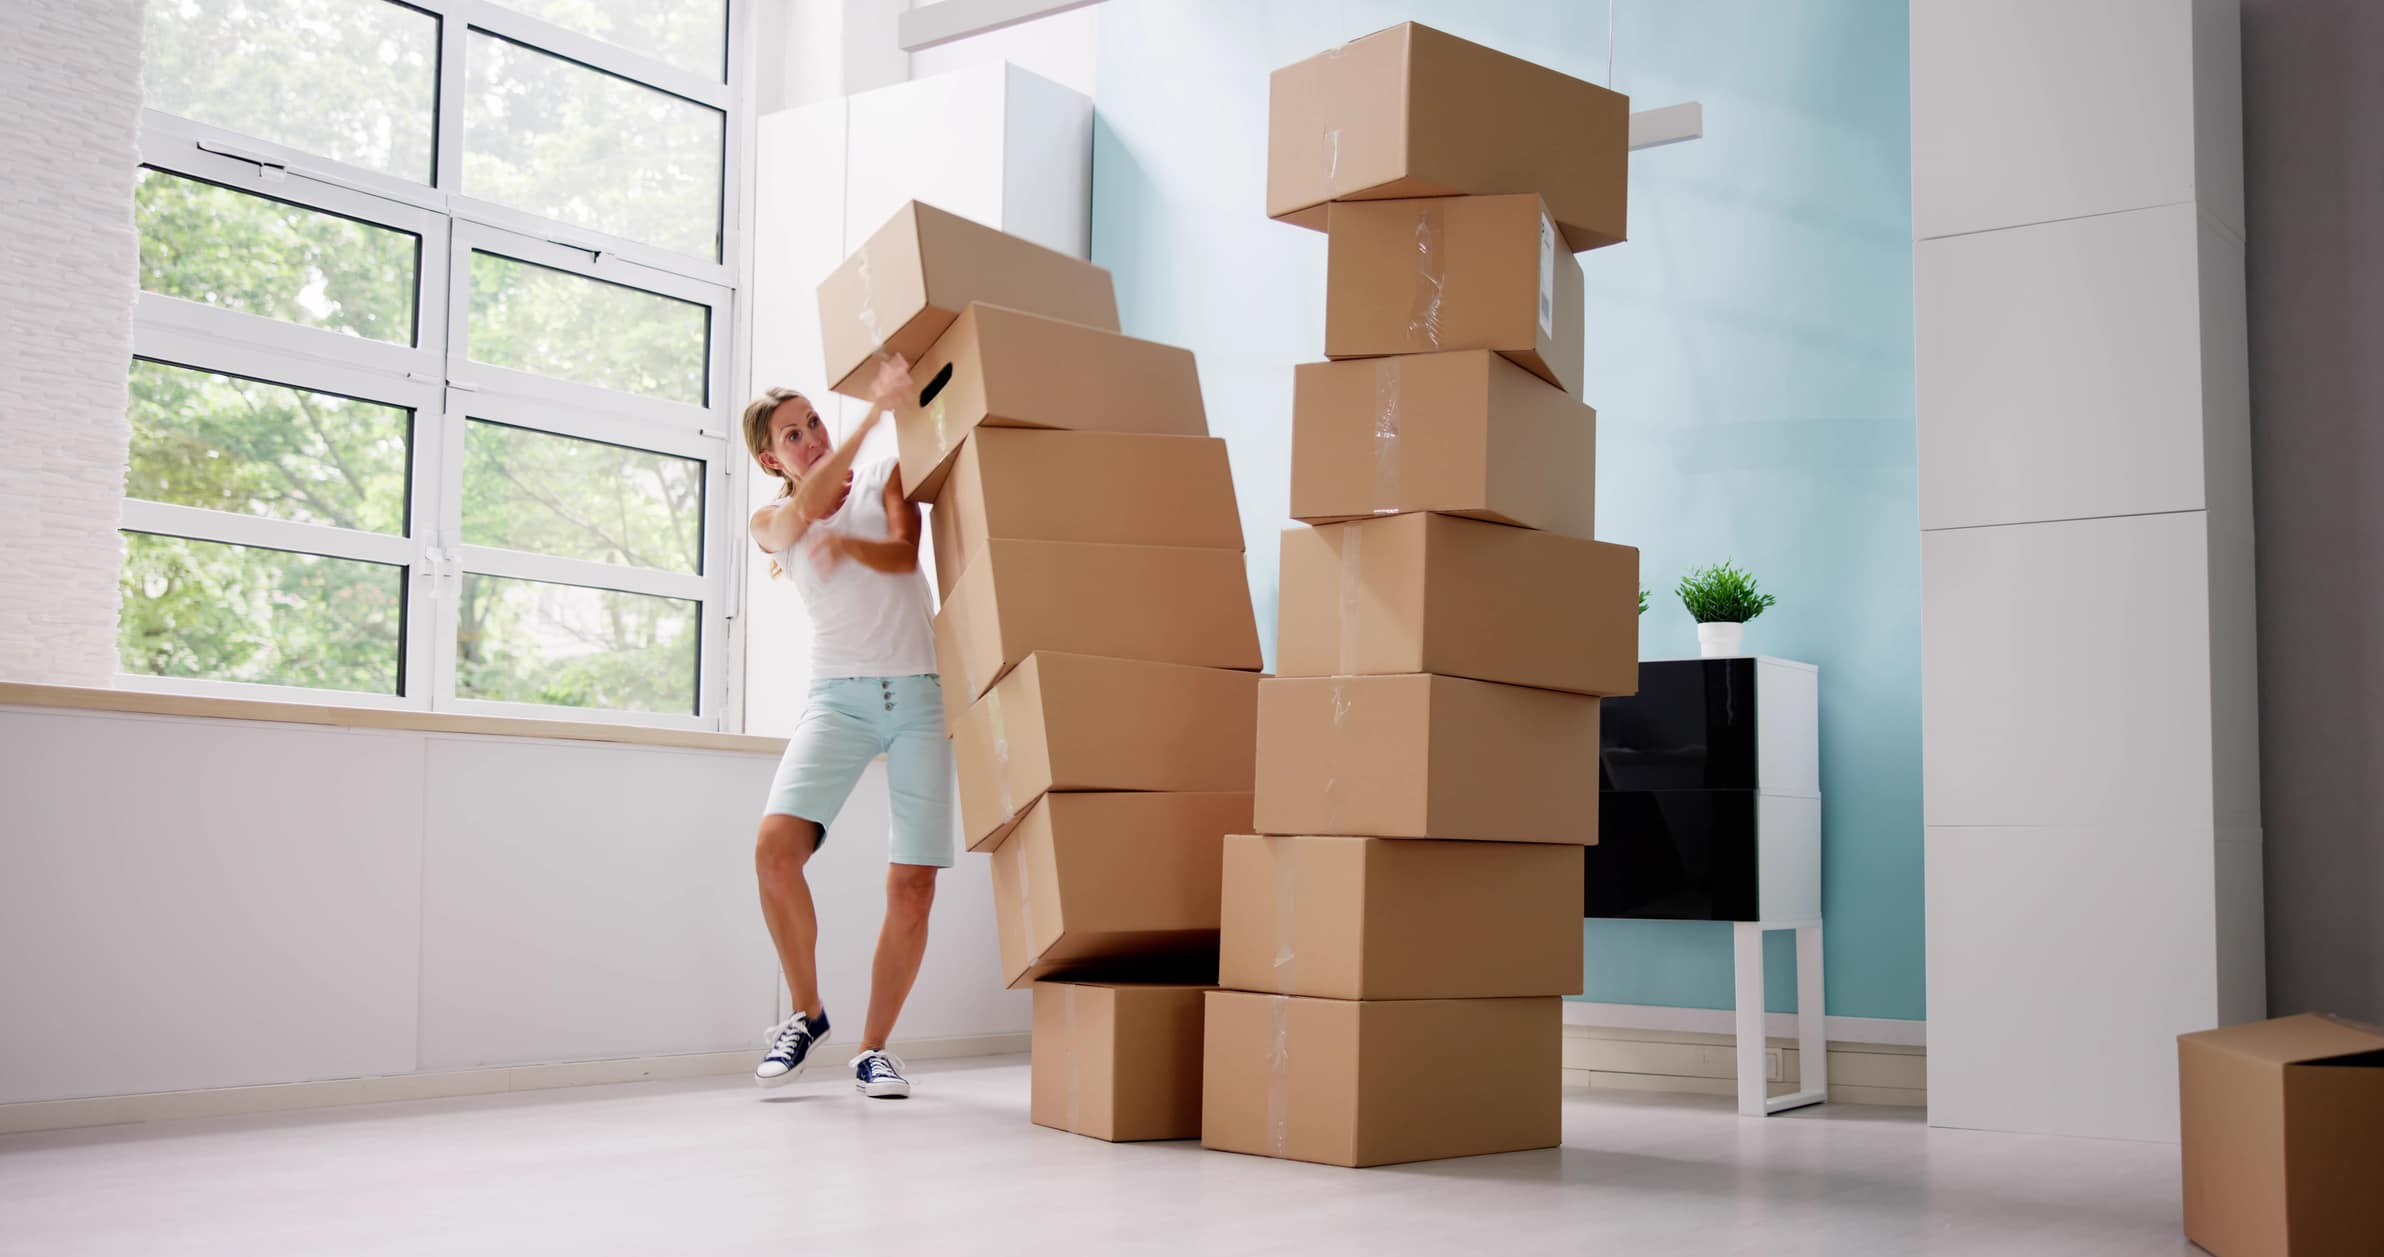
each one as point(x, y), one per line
point(798, 437)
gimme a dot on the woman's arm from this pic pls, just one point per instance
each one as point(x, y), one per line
point(899, 552)
point(783, 523)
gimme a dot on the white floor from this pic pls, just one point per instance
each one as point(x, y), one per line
point(718, 1168)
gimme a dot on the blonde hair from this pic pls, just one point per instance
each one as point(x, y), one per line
point(757, 430)
point(757, 439)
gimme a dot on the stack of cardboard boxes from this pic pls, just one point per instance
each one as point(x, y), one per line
point(1096, 641)
point(1395, 950)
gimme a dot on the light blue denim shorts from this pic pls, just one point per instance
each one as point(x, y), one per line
point(849, 721)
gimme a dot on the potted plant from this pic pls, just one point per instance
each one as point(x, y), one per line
point(1721, 599)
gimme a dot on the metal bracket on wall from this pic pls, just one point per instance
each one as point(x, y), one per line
point(1672, 124)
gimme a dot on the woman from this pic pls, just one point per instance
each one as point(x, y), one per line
point(847, 539)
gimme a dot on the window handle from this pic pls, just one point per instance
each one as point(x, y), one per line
point(269, 169)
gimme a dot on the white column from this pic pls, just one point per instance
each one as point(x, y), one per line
point(2089, 718)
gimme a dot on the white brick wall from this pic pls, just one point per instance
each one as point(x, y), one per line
point(70, 96)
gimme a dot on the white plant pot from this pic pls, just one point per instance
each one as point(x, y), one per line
point(1720, 640)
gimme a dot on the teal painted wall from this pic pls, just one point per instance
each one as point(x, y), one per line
point(1749, 353)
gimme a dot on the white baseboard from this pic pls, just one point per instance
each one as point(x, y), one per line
point(1879, 1030)
point(33, 1115)
point(1705, 1062)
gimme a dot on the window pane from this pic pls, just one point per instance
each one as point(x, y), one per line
point(690, 34)
point(536, 318)
point(229, 444)
point(353, 80)
point(533, 642)
point(556, 138)
point(575, 499)
point(239, 613)
point(228, 249)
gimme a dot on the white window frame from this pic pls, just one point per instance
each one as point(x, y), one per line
point(445, 390)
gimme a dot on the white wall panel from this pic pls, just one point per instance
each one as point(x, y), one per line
point(2065, 673)
point(2058, 371)
point(2026, 111)
point(582, 902)
point(1047, 132)
point(2063, 964)
point(163, 931)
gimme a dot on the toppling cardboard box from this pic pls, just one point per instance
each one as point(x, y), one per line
point(2282, 1126)
point(1006, 368)
point(1311, 916)
point(1461, 433)
point(1410, 111)
point(1089, 880)
point(1425, 757)
point(916, 274)
point(1162, 603)
point(1369, 1082)
point(1034, 484)
point(1444, 273)
point(1117, 1061)
point(1082, 722)
point(1428, 593)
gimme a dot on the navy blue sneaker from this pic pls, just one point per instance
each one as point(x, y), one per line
point(790, 1043)
point(878, 1075)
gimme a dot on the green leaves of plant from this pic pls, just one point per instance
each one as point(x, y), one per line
point(1721, 594)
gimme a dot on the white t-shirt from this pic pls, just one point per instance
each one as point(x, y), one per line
point(864, 623)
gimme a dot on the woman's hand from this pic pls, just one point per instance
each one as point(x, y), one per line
point(891, 383)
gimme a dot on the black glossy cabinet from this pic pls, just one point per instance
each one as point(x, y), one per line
point(1710, 799)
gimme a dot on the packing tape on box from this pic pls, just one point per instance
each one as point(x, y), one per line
point(1001, 753)
point(1353, 537)
point(1286, 890)
point(1386, 436)
point(868, 311)
point(1329, 70)
point(1278, 1074)
point(1075, 1066)
point(1423, 319)
point(1026, 902)
point(1333, 791)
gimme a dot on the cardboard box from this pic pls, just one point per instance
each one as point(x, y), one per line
point(1081, 722)
point(2282, 1127)
point(1411, 111)
point(1006, 368)
point(1117, 1061)
point(1163, 603)
point(1427, 593)
point(1462, 433)
point(915, 275)
point(1468, 272)
point(1125, 488)
point(1369, 1082)
point(1306, 916)
point(1088, 880)
point(1426, 757)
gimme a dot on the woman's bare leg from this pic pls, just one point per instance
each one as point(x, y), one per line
point(779, 854)
point(901, 944)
